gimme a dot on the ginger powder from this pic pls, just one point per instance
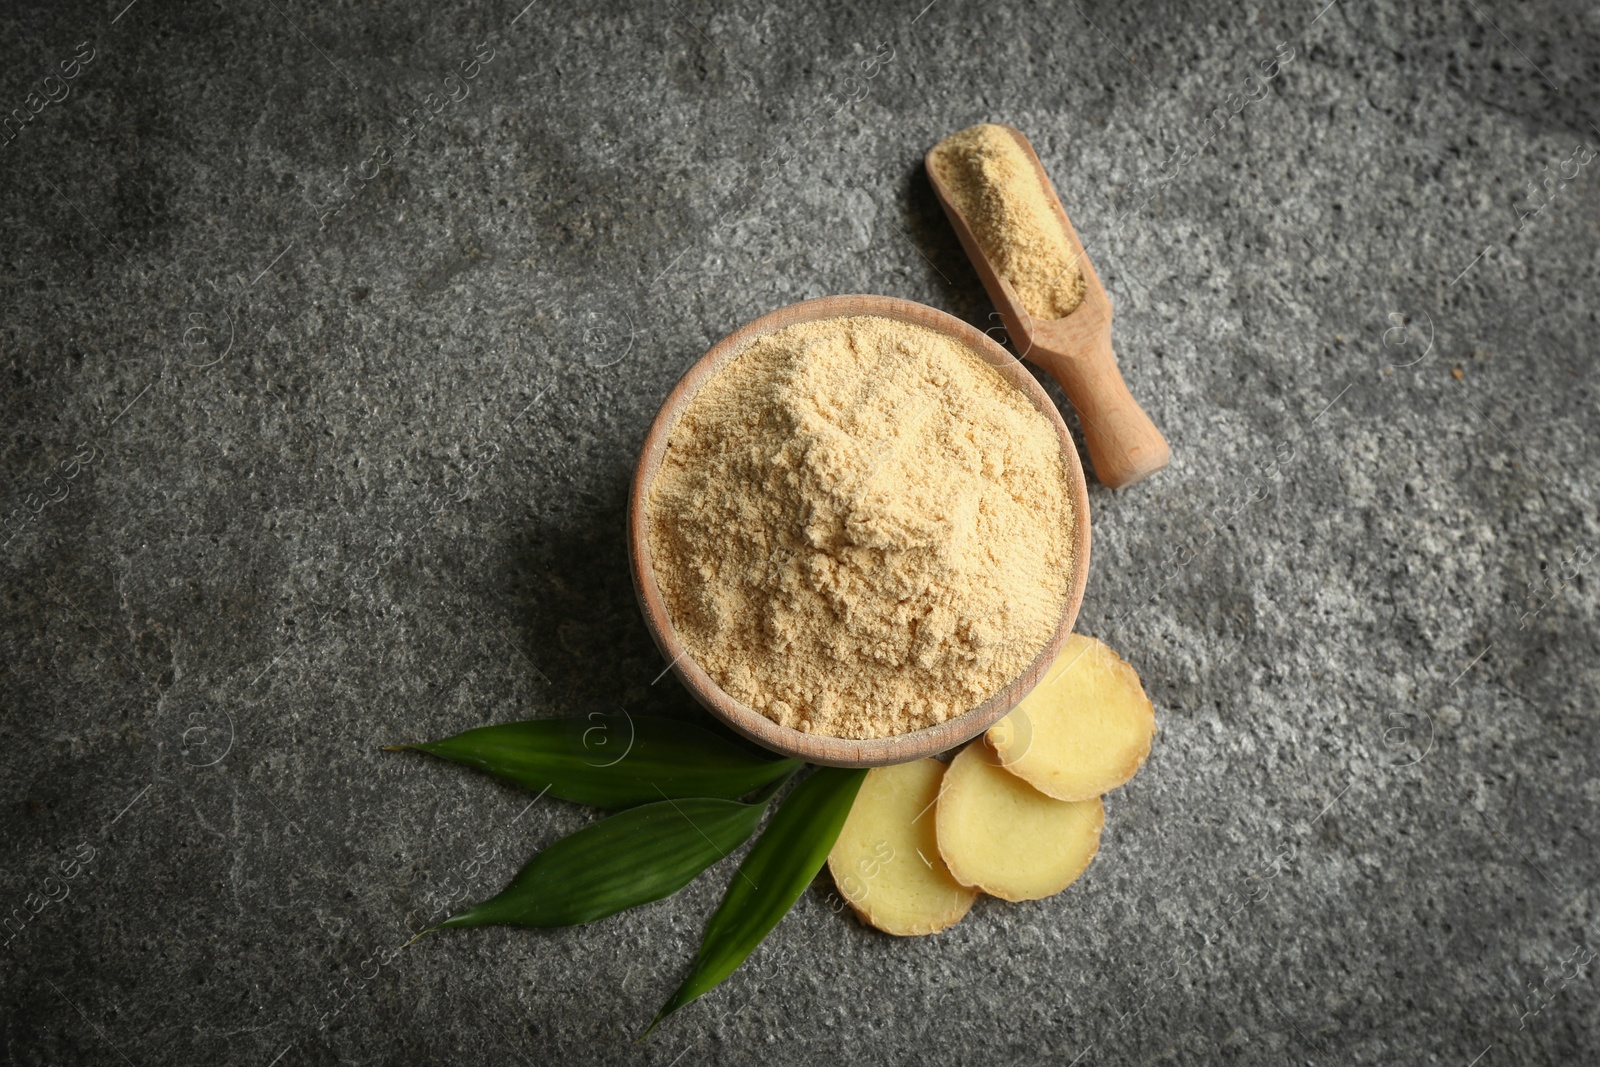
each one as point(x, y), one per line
point(998, 191)
point(860, 528)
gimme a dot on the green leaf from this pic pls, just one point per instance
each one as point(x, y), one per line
point(779, 867)
point(628, 859)
point(613, 761)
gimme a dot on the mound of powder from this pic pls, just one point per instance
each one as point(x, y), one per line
point(860, 528)
point(998, 191)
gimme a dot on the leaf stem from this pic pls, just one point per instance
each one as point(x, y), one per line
point(420, 936)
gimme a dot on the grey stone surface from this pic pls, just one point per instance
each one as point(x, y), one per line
point(284, 484)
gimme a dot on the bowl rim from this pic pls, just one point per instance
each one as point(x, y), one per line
point(747, 721)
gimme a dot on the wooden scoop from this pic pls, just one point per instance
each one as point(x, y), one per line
point(1124, 444)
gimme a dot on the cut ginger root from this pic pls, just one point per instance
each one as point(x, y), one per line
point(886, 861)
point(1084, 730)
point(999, 834)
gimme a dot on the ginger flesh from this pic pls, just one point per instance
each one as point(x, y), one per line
point(999, 834)
point(886, 862)
point(1083, 731)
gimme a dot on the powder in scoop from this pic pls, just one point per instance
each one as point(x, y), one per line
point(860, 528)
point(998, 191)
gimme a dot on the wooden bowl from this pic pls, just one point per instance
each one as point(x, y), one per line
point(820, 748)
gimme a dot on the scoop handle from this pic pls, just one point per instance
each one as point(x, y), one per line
point(1124, 445)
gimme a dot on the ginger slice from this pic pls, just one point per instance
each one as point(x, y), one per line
point(999, 834)
point(1084, 730)
point(886, 862)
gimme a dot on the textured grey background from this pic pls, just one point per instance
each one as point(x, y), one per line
point(278, 490)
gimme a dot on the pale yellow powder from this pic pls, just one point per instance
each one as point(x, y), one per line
point(860, 528)
point(997, 190)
